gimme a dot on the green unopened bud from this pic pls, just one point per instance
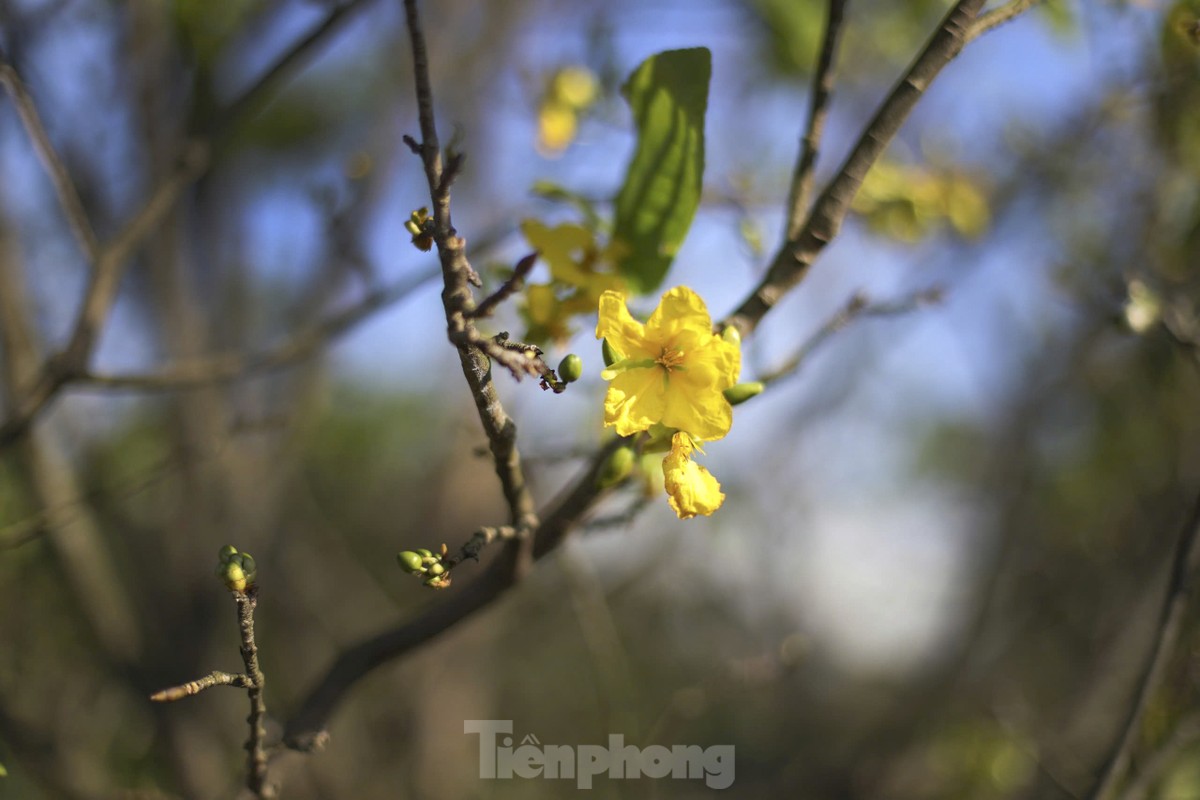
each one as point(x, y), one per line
point(249, 567)
point(617, 467)
point(570, 369)
point(233, 576)
point(412, 227)
point(610, 355)
point(436, 568)
point(732, 335)
point(410, 562)
point(227, 552)
point(742, 392)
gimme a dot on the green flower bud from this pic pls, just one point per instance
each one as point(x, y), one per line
point(233, 576)
point(617, 467)
point(438, 581)
point(226, 552)
point(412, 227)
point(742, 392)
point(570, 369)
point(423, 553)
point(410, 562)
point(248, 566)
point(436, 569)
point(732, 335)
point(610, 355)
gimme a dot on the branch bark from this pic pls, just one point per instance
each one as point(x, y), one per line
point(791, 264)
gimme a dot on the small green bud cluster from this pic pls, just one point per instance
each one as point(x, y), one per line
point(425, 562)
point(236, 570)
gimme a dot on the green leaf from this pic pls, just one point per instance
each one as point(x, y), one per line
point(654, 209)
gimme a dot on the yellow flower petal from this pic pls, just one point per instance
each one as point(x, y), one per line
point(624, 333)
point(674, 369)
point(636, 399)
point(691, 489)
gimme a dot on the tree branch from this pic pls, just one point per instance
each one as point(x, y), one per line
point(306, 730)
point(227, 368)
point(64, 187)
point(998, 16)
point(857, 307)
point(110, 259)
point(1185, 566)
point(818, 110)
point(796, 256)
point(459, 304)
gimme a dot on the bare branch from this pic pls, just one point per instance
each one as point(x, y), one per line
point(227, 368)
point(507, 289)
point(306, 730)
point(459, 304)
point(195, 687)
point(64, 187)
point(857, 307)
point(818, 110)
point(1185, 566)
point(998, 16)
point(798, 253)
point(1185, 735)
point(256, 753)
point(111, 258)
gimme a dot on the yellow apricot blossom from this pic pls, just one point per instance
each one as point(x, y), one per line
point(671, 370)
point(691, 489)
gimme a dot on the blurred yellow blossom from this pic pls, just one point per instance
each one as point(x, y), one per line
point(578, 278)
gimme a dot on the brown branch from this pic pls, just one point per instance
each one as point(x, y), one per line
point(998, 16)
point(195, 687)
point(507, 289)
point(857, 307)
point(256, 753)
point(1185, 735)
point(64, 187)
point(306, 730)
point(227, 368)
point(110, 259)
point(1185, 566)
point(818, 110)
point(796, 256)
point(459, 304)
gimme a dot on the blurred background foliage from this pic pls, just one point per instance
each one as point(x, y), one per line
point(940, 564)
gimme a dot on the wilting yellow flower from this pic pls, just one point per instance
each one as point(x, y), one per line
point(672, 370)
point(691, 489)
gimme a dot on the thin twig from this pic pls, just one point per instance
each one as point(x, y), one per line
point(227, 368)
point(507, 289)
point(110, 260)
point(796, 256)
point(857, 307)
point(1185, 565)
point(818, 110)
point(1185, 735)
point(998, 16)
point(459, 304)
point(64, 187)
point(256, 752)
point(197, 686)
point(306, 730)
